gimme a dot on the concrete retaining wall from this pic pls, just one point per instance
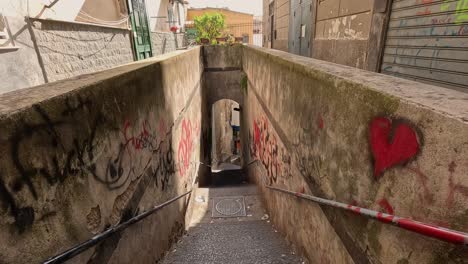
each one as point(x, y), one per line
point(84, 154)
point(361, 138)
point(223, 72)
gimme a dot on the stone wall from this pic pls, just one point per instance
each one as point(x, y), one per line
point(165, 42)
point(360, 138)
point(87, 153)
point(70, 49)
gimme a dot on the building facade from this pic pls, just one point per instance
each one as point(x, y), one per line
point(423, 40)
point(238, 24)
point(276, 24)
point(163, 16)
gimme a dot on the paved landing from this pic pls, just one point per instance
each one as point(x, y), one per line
point(236, 240)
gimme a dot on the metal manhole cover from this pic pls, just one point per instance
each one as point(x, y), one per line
point(228, 207)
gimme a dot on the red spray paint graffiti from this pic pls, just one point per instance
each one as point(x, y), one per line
point(426, 196)
point(454, 187)
point(265, 148)
point(386, 205)
point(185, 146)
point(391, 146)
point(141, 140)
point(320, 122)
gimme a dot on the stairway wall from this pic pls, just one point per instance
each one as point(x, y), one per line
point(360, 138)
point(86, 153)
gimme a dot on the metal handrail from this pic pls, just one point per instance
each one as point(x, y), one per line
point(441, 233)
point(434, 231)
point(72, 252)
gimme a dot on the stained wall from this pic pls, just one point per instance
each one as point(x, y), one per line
point(87, 153)
point(360, 138)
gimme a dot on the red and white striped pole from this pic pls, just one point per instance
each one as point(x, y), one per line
point(445, 234)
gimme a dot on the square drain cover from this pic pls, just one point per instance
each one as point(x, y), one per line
point(228, 207)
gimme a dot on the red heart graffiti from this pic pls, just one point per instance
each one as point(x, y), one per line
point(391, 150)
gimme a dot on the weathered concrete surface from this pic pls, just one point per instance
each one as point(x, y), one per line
point(319, 127)
point(223, 73)
point(87, 153)
point(222, 57)
point(342, 32)
point(249, 239)
point(223, 139)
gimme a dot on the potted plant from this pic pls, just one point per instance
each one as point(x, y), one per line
point(174, 29)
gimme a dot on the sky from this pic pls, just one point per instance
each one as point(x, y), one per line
point(247, 6)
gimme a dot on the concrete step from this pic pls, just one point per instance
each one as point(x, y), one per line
point(249, 239)
point(232, 242)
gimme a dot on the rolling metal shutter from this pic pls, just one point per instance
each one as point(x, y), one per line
point(427, 41)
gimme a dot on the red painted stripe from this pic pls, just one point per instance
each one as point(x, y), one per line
point(385, 219)
point(432, 231)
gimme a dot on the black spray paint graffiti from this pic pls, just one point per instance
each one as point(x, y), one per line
point(55, 157)
point(164, 166)
point(60, 152)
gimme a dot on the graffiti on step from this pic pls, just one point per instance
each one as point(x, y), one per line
point(265, 147)
point(393, 143)
point(50, 149)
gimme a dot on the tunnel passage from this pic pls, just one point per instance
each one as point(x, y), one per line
point(223, 73)
point(85, 154)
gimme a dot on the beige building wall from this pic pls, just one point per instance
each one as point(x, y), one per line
point(108, 11)
point(342, 31)
point(237, 23)
point(158, 14)
point(278, 37)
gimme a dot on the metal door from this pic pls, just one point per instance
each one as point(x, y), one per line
point(141, 36)
point(272, 30)
point(306, 25)
point(300, 27)
point(295, 21)
point(427, 41)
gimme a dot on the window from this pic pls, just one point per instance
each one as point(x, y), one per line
point(245, 38)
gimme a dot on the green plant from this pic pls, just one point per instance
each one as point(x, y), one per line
point(209, 26)
point(244, 83)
